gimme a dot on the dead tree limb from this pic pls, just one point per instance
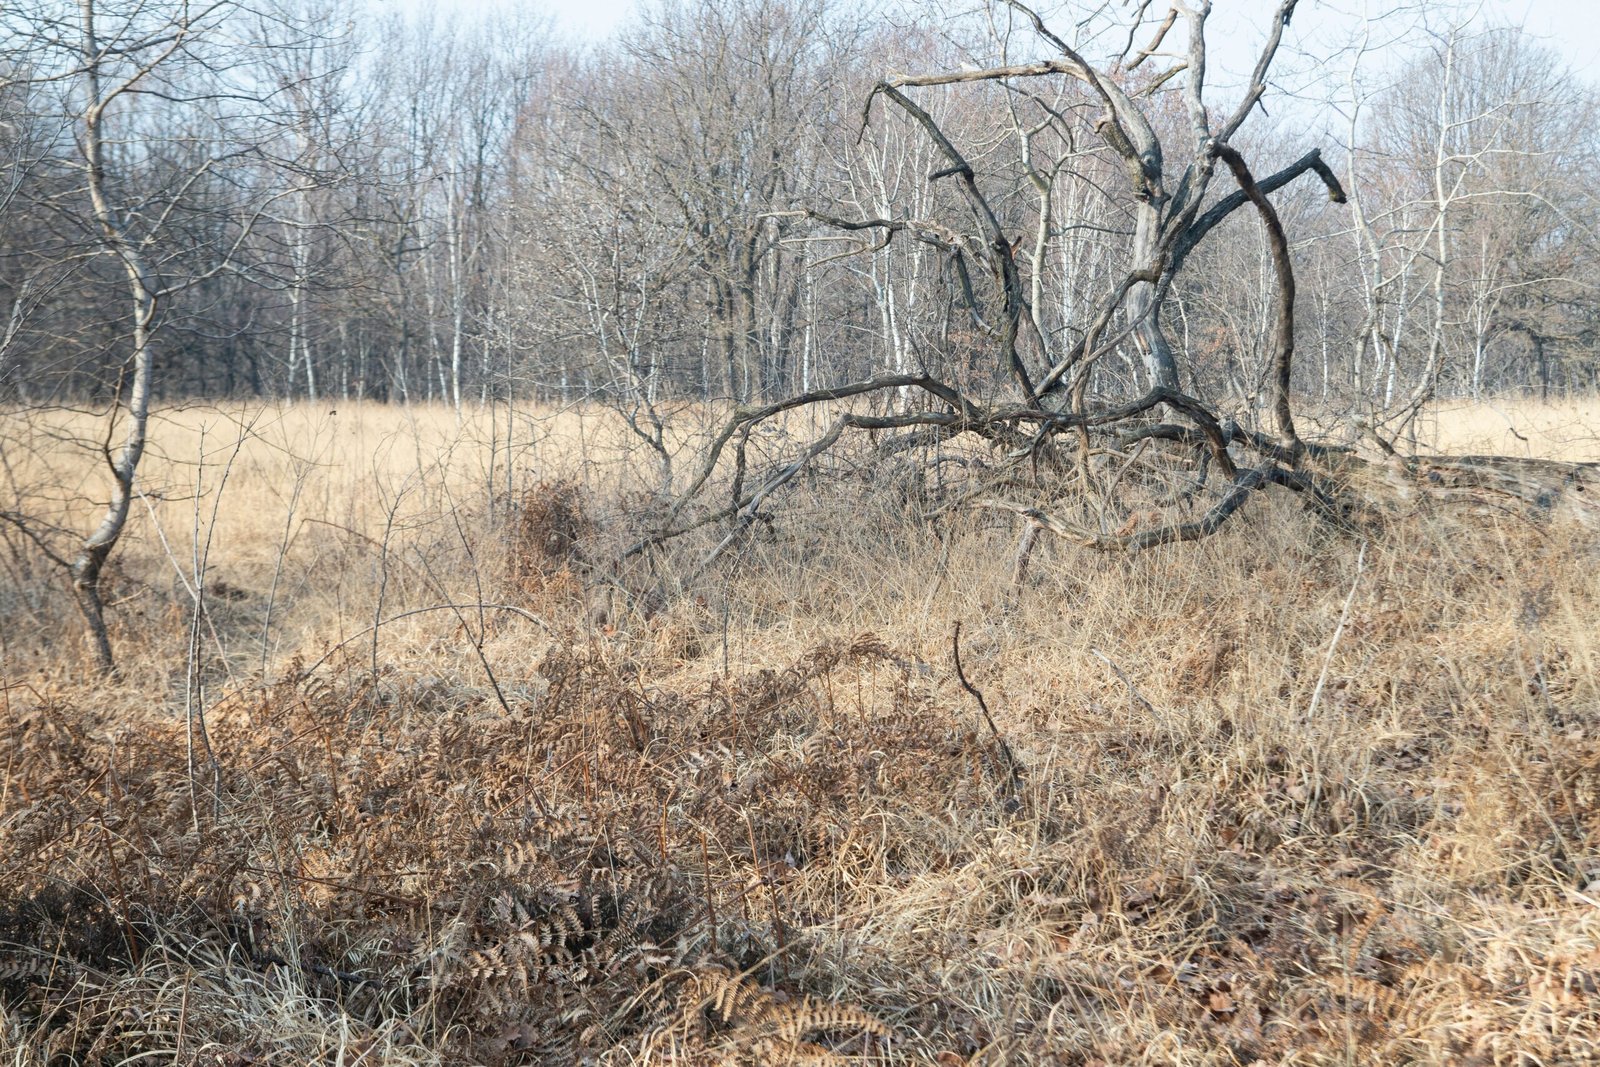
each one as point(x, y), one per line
point(998, 246)
point(1170, 221)
point(1206, 222)
point(1283, 332)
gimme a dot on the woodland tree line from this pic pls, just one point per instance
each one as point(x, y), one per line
point(304, 200)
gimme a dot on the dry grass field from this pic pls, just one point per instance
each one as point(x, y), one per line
point(1563, 428)
point(1274, 798)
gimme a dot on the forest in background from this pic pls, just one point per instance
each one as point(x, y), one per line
point(331, 204)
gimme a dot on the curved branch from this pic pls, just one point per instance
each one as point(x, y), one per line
point(965, 415)
point(1003, 261)
point(1207, 524)
point(1197, 230)
point(1283, 339)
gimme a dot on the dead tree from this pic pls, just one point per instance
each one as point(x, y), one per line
point(1173, 210)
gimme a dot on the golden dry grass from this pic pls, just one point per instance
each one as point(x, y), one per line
point(1564, 428)
point(758, 820)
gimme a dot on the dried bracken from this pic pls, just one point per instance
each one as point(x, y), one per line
point(769, 824)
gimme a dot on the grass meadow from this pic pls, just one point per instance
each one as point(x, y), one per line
point(399, 768)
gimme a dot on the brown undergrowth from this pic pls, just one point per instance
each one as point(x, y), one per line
point(1274, 808)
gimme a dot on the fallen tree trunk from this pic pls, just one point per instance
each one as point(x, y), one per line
point(1552, 488)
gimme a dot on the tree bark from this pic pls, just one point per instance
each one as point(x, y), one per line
point(89, 564)
point(1159, 362)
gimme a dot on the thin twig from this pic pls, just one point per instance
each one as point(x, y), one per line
point(1338, 631)
point(1133, 690)
point(1012, 765)
point(513, 609)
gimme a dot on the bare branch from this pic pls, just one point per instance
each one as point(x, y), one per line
point(1155, 42)
point(1283, 340)
point(1205, 223)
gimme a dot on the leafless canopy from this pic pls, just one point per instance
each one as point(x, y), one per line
point(1050, 389)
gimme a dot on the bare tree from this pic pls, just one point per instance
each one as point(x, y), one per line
point(1468, 177)
point(1170, 218)
point(169, 136)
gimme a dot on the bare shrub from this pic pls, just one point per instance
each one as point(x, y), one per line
point(546, 536)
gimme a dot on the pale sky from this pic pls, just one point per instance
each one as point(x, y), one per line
point(1572, 27)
